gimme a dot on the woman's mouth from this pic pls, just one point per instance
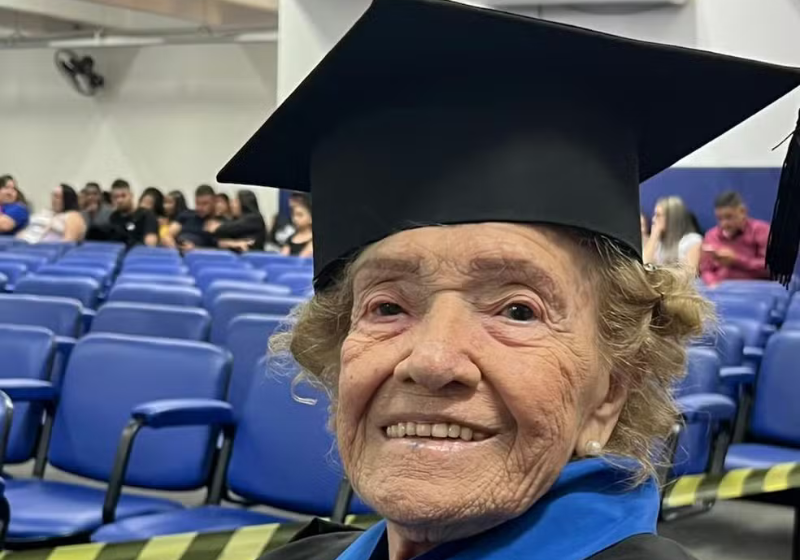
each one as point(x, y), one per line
point(433, 431)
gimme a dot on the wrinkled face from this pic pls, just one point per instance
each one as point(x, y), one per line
point(470, 375)
point(57, 200)
point(204, 205)
point(731, 219)
point(122, 199)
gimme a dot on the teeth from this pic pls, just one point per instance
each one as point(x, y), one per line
point(438, 431)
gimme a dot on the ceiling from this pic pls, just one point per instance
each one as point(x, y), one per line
point(49, 19)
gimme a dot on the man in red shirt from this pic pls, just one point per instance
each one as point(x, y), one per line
point(735, 249)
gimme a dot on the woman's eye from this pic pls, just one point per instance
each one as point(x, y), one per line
point(519, 312)
point(388, 309)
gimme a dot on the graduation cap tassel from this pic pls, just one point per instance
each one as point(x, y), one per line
point(784, 234)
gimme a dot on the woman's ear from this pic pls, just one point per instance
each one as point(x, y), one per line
point(600, 421)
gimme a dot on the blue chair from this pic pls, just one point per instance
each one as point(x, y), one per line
point(733, 306)
point(153, 251)
point(109, 265)
point(276, 270)
point(197, 267)
point(298, 282)
point(161, 321)
point(13, 271)
point(215, 256)
point(97, 273)
point(31, 262)
point(186, 296)
point(163, 269)
point(63, 316)
point(228, 306)
point(102, 246)
point(48, 253)
point(85, 290)
point(793, 325)
point(158, 279)
point(205, 276)
point(95, 434)
point(3, 282)
point(144, 259)
point(28, 353)
point(773, 435)
point(219, 287)
point(727, 339)
point(7, 242)
point(267, 465)
point(258, 259)
point(247, 339)
point(793, 309)
point(708, 415)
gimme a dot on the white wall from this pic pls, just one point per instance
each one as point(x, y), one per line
point(170, 117)
point(763, 29)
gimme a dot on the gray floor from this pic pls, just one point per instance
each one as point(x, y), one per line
point(733, 530)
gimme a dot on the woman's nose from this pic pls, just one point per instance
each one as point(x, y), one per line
point(443, 345)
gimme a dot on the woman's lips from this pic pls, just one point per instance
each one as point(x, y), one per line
point(439, 430)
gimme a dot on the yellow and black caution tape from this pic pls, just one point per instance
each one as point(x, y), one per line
point(696, 489)
point(249, 543)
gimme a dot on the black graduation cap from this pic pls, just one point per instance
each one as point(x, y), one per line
point(433, 112)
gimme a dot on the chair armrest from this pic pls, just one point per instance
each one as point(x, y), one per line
point(753, 353)
point(769, 330)
point(28, 390)
point(183, 412)
point(706, 406)
point(737, 376)
point(6, 416)
point(87, 316)
point(64, 346)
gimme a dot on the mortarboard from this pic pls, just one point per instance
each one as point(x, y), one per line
point(433, 112)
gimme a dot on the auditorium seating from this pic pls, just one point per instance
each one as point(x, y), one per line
point(773, 436)
point(278, 269)
point(95, 434)
point(303, 477)
point(31, 262)
point(228, 306)
point(63, 316)
point(94, 272)
point(159, 279)
point(211, 257)
point(27, 353)
point(154, 268)
point(85, 290)
point(162, 321)
point(206, 275)
point(13, 271)
point(298, 282)
point(160, 295)
point(218, 287)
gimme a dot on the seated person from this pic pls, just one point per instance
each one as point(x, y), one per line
point(499, 359)
point(193, 228)
point(301, 243)
point(247, 230)
point(174, 206)
point(62, 222)
point(153, 199)
point(132, 226)
point(673, 237)
point(96, 213)
point(13, 212)
point(222, 209)
point(736, 248)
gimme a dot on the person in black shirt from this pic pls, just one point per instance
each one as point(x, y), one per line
point(222, 207)
point(247, 231)
point(193, 228)
point(132, 226)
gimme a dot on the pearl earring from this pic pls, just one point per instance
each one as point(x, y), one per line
point(593, 448)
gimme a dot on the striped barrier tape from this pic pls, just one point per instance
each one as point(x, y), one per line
point(249, 543)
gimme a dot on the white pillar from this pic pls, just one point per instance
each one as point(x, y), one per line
point(308, 29)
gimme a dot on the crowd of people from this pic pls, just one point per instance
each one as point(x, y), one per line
point(216, 221)
point(735, 249)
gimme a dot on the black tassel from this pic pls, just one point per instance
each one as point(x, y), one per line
point(784, 233)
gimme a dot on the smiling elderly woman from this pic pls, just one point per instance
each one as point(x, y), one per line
point(499, 359)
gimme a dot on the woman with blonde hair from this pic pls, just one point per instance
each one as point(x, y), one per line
point(673, 237)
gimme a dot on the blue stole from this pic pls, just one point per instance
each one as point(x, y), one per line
point(591, 507)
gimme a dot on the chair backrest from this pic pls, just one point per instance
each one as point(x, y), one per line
point(13, 271)
point(49, 253)
point(107, 265)
point(33, 262)
point(207, 275)
point(3, 282)
point(776, 415)
point(727, 339)
point(702, 372)
point(793, 325)
point(27, 353)
point(775, 289)
point(153, 251)
point(161, 321)
point(259, 259)
point(276, 270)
point(85, 290)
point(196, 267)
point(210, 255)
point(247, 339)
point(752, 331)
point(793, 311)
point(60, 315)
point(283, 454)
point(298, 282)
point(228, 306)
point(186, 296)
point(159, 279)
point(219, 287)
point(145, 259)
point(97, 273)
point(107, 376)
point(102, 246)
point(161, 268)
point(738, 306)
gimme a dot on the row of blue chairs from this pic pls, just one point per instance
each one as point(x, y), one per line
point(160, 415)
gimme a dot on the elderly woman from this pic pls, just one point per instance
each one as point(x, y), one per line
point(499, 358)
